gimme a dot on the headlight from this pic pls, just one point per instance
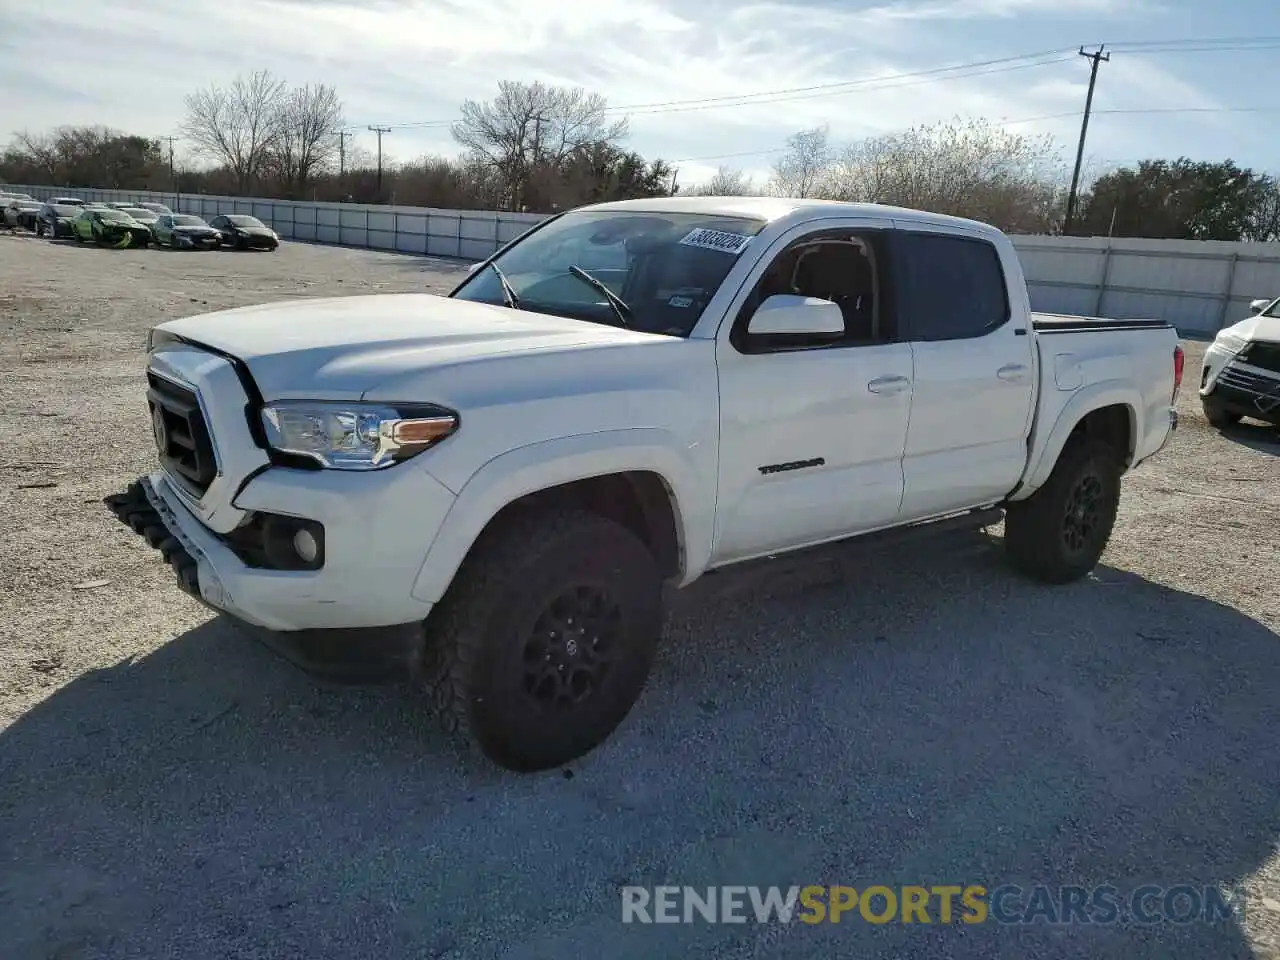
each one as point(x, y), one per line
point(1231, 342)
point(355, 436)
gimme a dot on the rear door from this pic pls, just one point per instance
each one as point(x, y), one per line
point(974, 369)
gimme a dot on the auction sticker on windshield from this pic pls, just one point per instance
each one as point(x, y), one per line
point(716, 240)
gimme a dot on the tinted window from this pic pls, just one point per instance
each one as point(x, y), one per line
point(239, 221)
point(188, 221)
point(954, 286)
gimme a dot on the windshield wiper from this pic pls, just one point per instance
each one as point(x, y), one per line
point(508, 292)
point(619, 305)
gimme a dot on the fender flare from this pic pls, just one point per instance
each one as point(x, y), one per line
point(538, 466)
point(1108, 393)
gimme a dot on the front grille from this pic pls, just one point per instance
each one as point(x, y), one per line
point(181, 434)
point(1248, 382)
point(1262, 353)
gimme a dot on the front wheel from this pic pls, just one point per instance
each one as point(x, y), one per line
point(1058, 533)
point(1217, 415)
point(545, 640)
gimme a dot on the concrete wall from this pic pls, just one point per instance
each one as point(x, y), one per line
point(1198, 286)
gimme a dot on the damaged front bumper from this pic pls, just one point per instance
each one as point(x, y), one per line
point(345, 654)
point(147, 513)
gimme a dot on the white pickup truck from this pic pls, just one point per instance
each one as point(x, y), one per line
point(628, 395)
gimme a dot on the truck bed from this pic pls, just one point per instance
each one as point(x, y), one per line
point(1062, 323)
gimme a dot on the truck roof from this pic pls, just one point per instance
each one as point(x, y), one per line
point(772, 209)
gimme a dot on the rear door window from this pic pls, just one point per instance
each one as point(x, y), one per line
point(954, 287)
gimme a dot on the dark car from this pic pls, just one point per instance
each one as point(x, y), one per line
point(184, 231)
point(245, 232)
point(57, 220)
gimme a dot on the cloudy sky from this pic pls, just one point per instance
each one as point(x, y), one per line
point(410, 63)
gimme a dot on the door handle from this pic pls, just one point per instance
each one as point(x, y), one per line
point(1012, 373)
point(889, 385)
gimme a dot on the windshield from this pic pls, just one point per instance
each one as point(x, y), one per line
point(63, 210)
point(239, 221)
point(1273, 310)
point(665, 267)
point(138, 213)
point(115, 216)
point(187, 221)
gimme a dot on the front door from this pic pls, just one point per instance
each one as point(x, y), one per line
point(812, 433)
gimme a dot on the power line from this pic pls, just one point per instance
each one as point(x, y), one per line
point(764, 97)
point(911, 78)
point(841, 85)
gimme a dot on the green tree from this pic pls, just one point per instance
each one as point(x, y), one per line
point(1178, 199)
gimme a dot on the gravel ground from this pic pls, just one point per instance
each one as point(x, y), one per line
point(171, 788)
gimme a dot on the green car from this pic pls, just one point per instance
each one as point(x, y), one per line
point(110, 228)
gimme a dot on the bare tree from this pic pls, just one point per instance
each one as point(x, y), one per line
point(41, 150)
point(798, 172)
point(727, 182)
point(237, 126)
point(968, 169)
point(528, 126)
point(306, 138)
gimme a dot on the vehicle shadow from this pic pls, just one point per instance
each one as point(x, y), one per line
point(849, 717)
point(1263, 438)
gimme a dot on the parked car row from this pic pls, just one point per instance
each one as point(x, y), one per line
point(120, 224)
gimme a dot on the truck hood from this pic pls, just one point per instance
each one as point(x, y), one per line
point(1257, 327)
point(346, 347)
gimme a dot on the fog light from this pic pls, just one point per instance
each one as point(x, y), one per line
point(304, 542)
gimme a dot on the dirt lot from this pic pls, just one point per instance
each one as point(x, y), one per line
point(171, 788)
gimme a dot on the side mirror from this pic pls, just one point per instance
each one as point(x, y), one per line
point(785, 313)
point(1258, 306)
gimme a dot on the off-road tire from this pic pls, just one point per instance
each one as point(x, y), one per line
point(477, 660)
point(1218, 416)
point(1047, 536)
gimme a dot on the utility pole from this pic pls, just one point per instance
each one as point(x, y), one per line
point(173, 173)
point(342, 153)
point(1096, 58)
point(380, 131)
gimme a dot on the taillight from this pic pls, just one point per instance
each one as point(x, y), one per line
point(1179, 361)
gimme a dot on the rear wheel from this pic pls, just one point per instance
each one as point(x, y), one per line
point(546, 638)
point(1058, 533)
